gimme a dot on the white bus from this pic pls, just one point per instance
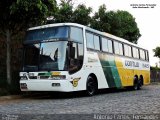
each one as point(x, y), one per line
point(71, 57)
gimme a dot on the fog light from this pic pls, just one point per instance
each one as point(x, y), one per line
point(56, 84)
point(23, 85)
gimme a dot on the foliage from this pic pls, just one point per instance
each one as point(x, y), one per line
point(66, 13)
point(17, 15)
point(81, 15)
point(157, 52)
point(154, 68)
point(119, 23)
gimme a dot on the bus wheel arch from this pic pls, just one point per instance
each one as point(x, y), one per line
point(91, 84)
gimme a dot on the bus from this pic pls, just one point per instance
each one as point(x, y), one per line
point(67, 57)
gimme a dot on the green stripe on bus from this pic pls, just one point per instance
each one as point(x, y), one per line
point(110, 70)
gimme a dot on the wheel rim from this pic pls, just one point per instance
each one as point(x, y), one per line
point(91, 87)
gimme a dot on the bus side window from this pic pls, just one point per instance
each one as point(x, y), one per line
point(110, 46)
point(76, 57)
point(127, 50)
point(89, 39)
point(105, 45)
point(142, 54)
point(118, 48)
point(135, 52)
point(73, 58)
point(76, 34)
point(146, 53)
point(96, 42)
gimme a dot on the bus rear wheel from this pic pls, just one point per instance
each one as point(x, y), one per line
point(92, 86)
point(137, 84)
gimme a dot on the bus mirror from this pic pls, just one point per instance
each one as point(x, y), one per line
point(72, 52)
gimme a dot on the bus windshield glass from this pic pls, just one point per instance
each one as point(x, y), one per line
point(46, 56)
point(47, 34)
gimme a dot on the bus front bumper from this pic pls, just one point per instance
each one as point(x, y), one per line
point(46, 85)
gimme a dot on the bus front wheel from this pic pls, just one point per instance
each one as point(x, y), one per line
point(92, 86)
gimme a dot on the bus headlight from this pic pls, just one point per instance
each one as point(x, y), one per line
point(31, 74)
point(23, 78)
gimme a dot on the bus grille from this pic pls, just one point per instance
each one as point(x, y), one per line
point(32, 77)
point(44, 77)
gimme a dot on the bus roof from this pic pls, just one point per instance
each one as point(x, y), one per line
point(89, 29)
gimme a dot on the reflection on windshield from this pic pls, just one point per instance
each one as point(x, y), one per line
point(53, 56)
point(49, 55)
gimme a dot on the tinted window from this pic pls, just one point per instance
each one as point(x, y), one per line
point(110, 46)
point(118, 48)
point(96, 42)
point(147, 57)
point(76, 34)
point(47, 33)
point(76, 60)
point(107, 45)
point(142, 54)
point(135, 52)
point(80, 53)
point(127, 50)
point(89, 38)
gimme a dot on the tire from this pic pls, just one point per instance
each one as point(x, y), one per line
point(140, 82)
point(91, 86)
point(136, 84)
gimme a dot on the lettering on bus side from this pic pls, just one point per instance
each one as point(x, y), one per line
point(145, 65)
point(131, 63)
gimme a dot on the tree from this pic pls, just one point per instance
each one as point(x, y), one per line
point(100, 21)
point(64, 12)
point(67, 13)
point(157, 52)
point(119, 23)
point(81, 15)
point(17, 15)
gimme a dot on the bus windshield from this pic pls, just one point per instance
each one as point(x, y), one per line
point(46, 56)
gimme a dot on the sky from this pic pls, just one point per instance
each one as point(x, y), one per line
point(147, 19)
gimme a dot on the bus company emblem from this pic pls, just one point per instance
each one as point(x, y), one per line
point(75, 81)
